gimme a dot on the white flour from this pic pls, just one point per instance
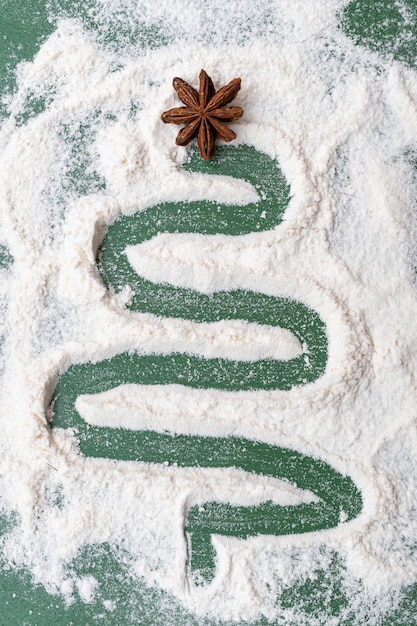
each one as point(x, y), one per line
point(339, 129)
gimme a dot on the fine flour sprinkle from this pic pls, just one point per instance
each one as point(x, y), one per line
point(341, 122)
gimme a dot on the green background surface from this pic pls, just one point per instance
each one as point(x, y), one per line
point(383, 27)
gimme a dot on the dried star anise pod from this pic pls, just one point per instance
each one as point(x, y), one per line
point(204, 113)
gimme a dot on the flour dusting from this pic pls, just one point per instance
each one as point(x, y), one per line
point(341, 123)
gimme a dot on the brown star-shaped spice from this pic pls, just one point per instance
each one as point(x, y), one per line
point(204, 113)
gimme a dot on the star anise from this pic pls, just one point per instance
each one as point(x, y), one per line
point(204, 113)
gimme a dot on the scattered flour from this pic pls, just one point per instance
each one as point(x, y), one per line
point(340, 122)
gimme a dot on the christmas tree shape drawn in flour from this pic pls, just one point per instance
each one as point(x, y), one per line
point(339, 500)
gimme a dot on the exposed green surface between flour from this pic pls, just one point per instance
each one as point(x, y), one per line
point(388, 28)
point(338, 495)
